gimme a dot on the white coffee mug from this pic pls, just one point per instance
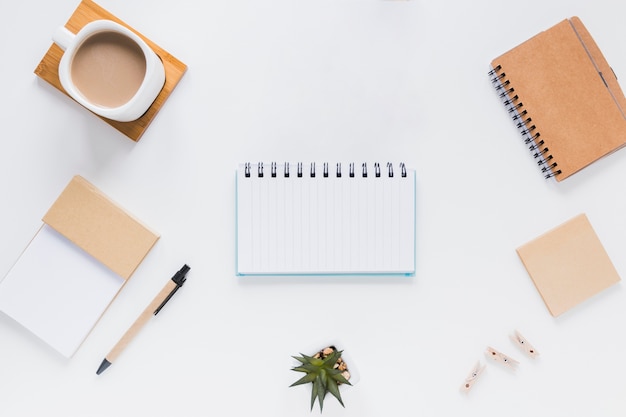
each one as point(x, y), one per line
point(109, 69)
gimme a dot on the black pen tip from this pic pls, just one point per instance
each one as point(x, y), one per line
point(103, 366)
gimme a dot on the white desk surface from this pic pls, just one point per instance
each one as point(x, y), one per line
point(317, 80)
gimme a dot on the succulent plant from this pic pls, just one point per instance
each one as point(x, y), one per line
point(326, 370)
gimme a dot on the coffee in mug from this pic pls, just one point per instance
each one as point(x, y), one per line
point(110, 70)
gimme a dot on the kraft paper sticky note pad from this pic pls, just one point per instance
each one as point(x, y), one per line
point(568, 264)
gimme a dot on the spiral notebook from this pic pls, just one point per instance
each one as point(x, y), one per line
point(325, 219)
point(563, 97)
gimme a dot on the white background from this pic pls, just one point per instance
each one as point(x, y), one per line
point(325, 80)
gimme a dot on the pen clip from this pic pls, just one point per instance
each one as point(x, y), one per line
point(179, 279)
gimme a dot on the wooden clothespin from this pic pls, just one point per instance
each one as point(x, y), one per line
point(521, 341)
point(472, 377)
point(501, 358)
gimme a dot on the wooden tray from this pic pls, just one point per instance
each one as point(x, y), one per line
point(87, 11)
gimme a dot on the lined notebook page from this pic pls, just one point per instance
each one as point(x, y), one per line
point(315, 218)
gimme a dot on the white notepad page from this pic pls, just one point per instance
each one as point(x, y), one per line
point(325, 224)
point(57, 291)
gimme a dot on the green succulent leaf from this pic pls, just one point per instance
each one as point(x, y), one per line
point(307, 367)
point(323, 376)
point(319, 393)
point(334, 389)
point(305, 379)
point(317, 362)
point(332, 358)
point(340, 378)
point(300, 359)
point(312, 360)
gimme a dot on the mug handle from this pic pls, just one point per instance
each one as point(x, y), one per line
point(63, 37)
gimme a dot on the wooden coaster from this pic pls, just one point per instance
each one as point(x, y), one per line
point(88, 11)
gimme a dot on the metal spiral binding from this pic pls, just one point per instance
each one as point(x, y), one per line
point(523, 122)
point(326, 172)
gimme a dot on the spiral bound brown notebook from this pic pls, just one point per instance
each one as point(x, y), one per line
point(564, 98)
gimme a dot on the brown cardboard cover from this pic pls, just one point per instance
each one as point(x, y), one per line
point(570, 93)
point(568, 264)
point(93, 222)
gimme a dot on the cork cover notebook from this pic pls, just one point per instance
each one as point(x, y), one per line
point(564, 98)
point(568, 264)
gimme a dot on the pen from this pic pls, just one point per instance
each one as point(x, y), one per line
point(153, 308)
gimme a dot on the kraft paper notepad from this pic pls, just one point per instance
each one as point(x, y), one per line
point(325, 219)
point(568, 264)
point(74, 266)
point(563, 97)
